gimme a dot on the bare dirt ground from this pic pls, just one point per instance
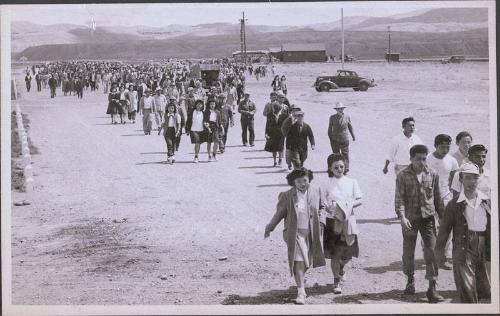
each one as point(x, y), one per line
point(109, 223)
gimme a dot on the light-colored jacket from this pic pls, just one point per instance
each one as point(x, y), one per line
point(286, 210)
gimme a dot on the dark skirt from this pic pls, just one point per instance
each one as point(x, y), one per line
point(123, 107)
point(274, 143)
point(198, 137)
point(334, 246)
point(113, 108)
point(214, 135)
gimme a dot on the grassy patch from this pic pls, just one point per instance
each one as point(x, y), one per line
point(17, 173)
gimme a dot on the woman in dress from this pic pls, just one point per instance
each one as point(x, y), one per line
point(276, 84)
point(283, 85)
point(339, 197)
point(300, 207)
point(213, 124)
point(195, 128)
point(113, 104)
point(124, 103)
point(133, 99)
point(274, 136)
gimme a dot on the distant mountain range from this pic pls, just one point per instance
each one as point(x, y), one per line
point(438, 31)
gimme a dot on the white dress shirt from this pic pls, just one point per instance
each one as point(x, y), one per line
point(399, 152)
point(474, 213)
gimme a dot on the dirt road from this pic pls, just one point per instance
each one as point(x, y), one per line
point(110, 223)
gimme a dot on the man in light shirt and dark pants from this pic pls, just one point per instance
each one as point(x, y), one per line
point(469, 216)
point(399, 153)
point(400, 146)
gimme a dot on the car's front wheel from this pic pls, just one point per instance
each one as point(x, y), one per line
point(324, 87)
point(363, 86)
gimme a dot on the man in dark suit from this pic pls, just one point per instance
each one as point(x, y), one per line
point(296, 140)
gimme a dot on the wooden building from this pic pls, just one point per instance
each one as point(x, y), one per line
point(310, 52)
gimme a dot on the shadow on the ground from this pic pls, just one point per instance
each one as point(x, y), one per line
point(395, 266)
point(234, 146)
point(255, 167)
point(272, 185)
point(163, 162)
point(253, 158)
point(396, 295)
point(134, 135)
point(289, 295)
point(384, 221)
point(251, 150)
point(283, 170)
point(155, 153)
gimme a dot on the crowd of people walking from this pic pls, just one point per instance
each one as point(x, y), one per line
point(436, 193)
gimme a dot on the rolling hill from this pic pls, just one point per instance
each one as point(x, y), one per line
point(425, 33)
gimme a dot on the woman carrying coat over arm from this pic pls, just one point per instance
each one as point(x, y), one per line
point(300, 209)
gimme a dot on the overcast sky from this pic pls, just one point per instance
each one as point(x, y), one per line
point(192, 14)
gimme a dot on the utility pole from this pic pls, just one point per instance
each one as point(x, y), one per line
point(342, 25)
point(243, 40)
point(389, 48)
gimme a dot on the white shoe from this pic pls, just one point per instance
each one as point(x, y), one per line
point(301, 299)
point(337, 289)
point(172, 159)
point(196, 160)
point(215, 158)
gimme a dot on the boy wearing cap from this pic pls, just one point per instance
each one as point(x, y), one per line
point(469, 216)
point(339, 128)
point(477, 155)
point(247, 110)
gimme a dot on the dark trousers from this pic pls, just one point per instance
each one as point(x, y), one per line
point(131, 116)
point(341, 147)
point(247, 127)
point(170, 140)
point(38, 85)
point(472, 277)
point(28, 86)
point(80, 93)
point(52, 92)
point(223, 141)
point(297, 158)
point(427, 229)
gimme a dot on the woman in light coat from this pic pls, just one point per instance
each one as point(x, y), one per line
point(339, 197)
point(300, 208)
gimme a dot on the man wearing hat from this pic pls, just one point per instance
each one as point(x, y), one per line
point(147, 108)
point(469, 216)
point(296, 140)
point(338, 131)
point(247, 110)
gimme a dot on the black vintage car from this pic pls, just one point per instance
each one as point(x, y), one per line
point(343, 79)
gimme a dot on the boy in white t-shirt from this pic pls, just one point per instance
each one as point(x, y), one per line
point(443, 163)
